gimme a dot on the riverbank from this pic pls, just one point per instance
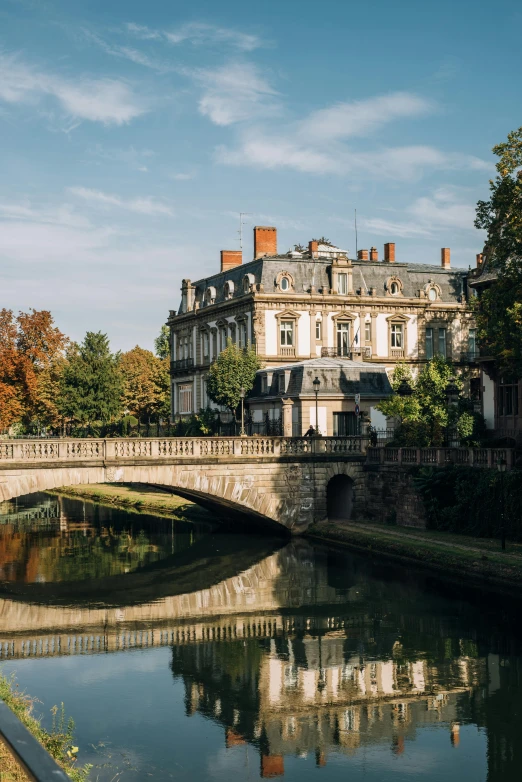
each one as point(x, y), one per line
point(479, 560)
point(137, 497)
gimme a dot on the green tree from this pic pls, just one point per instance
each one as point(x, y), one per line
point(425, 416)
point(162, 342)
point(235, 368)
point(91, 383)
point(499, 311)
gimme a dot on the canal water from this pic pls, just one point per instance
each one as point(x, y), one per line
point(188, 653)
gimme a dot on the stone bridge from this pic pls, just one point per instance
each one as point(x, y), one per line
point(286, 482)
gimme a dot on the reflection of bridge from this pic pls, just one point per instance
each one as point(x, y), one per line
point(287, 487)
point(10, 513)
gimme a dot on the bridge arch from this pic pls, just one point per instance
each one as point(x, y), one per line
point(340, 497)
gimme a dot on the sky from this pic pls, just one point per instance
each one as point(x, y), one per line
point(133, 134)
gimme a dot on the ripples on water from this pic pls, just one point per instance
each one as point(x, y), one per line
point(189, 654)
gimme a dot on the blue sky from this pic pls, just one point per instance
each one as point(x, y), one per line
point(133, 134)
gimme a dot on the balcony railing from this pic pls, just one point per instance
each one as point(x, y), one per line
point(288, 351)
point(181, 364)
point(469, 457)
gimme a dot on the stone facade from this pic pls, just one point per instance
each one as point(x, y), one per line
point(390, 497)
point(317, 302)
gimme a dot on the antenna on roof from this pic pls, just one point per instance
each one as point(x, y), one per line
point(356, 248)
point(241, 224)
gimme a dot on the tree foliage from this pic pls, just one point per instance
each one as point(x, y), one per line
point(162, 342)
point(235, 368)
point(91, 383)
point(499, 312)
point(31, 355)
point(425, 417)
point(145, 383)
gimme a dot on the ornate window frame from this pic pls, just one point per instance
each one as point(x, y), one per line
point(242, 324)
point(248, 282)
point(285, 350)
point(210, 295)
point(394, 280)
point(284, 275)
point(344, 317)
point(228, 289)
point(433, 286)
point(395, 319)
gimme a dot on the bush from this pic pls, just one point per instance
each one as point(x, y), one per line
point(469, 501)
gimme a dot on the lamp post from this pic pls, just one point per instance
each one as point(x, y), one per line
point(316, 385)
point(501, 467)
point(242, 433)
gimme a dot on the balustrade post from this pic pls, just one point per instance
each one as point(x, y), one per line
point(471, 452)
point(440, 457)
point(381, 455)
point(490, 457)
point(196, 447)
point(17, 452)
point(109, 449)
point(418, 455)
point(236, 446)
point(277, 446)
point(399, 456)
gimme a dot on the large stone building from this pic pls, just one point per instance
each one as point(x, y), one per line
point(318, 302)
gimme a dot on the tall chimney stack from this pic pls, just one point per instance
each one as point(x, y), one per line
point(265, 241)
point(313, 249)
point(480, 260)
point(374, 255)
point(445, 261)
point(389, 252)
point(363, 255)
point(230, 259)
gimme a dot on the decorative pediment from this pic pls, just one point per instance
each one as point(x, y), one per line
point(398, 318)
point(288, 315)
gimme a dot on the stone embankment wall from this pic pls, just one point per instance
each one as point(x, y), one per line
point(390, 497)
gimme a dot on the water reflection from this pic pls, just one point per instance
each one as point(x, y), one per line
point(50, 539)
point(358, 669)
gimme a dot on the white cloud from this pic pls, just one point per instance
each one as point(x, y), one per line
point(61, 215)
point(233, 93)
point(199, 34)
point(145, 205)
point(127, 53)
point(357, 118)
point(108, 101)
point(180, 177)
point(444, 209)
point(404, 230)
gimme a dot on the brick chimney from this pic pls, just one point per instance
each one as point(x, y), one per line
point(480, 260)
point(313, 249)
point(230, 259)
point(265, 241)
point(374, 255)
point(445, 257)
point(389, 252)
point(363, 255)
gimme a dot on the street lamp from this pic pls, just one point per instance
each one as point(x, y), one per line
point(404, 388)
point(316, 385)
point(242, 433)
point(501, 467)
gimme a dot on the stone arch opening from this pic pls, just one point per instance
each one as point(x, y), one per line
point(339, 498)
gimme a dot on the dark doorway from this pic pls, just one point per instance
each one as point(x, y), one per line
point(339, 498)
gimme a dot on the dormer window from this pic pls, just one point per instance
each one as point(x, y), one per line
point(210, 295)
point(432, 294)
point(394, 288)
point(285, 283)
point(264, 384)
point(229, 289)
point(433, 291)
point(248, 282)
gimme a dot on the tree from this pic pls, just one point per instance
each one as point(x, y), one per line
point(162, 342)
point(91, 383)
point(31, 357)
point(499, 311)
point(145, 383)
point(235, 368)
point(425, 416)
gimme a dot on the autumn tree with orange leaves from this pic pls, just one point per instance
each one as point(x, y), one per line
point(31, 360)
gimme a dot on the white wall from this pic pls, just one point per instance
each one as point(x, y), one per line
point(270, 333)
point(488, 400)
point(303, 335)
point(412, 339)
point(382, 334)
point(378, 419)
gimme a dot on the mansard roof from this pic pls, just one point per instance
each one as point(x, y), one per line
point(307, 272)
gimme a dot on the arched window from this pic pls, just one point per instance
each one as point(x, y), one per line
point(248, 282)
point(432, 294)
point(394, 288)
point(229, 289)
point(210, 295)
point(285, 283)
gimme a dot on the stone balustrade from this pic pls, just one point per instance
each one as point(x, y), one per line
point(158, 448)
point(440, 457)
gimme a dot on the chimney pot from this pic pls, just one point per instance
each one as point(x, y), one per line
point(480, 260)
point(445, 261)
point(313, 249)
point(230, 259)
point(374, 255)
point(389, 252)
point(363, 255)
point(265, 241)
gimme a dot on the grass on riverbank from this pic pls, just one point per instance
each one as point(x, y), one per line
point(137, 497)
point(479, 559)
point(58, 742)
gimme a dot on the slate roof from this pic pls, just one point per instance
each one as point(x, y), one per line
point(338, 376)
point(307, 272)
